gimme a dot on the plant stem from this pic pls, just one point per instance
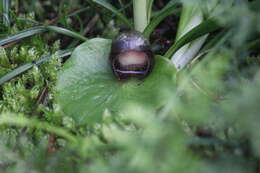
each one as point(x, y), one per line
point(140, 14)
point(149, 9)
point(5, 10)
point(21, 121)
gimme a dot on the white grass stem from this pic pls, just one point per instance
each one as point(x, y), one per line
point(140, 14)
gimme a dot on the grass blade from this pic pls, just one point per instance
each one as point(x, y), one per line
point(22, 34)
point(115, 11)
point(253, 44)
point(122, 6)
point(187, 19)
point(78, 11)
point(28, 20)
point(37, 30)
point(28, 66)
point(200, 30)
point(65, 31)
point(215, 40)
point(157, 20)
point(149, 9)
point(168, 5)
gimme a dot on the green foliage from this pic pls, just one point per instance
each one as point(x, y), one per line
point(115, 11)
point(169, 9)
point(198, 31)
point(204, 118)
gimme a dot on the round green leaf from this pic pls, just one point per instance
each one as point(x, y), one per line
point(87, 87)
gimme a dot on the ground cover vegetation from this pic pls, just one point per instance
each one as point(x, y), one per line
point(63, 110)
